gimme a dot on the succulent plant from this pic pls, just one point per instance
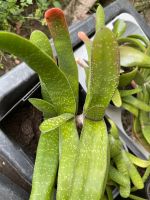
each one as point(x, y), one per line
point(84, 162)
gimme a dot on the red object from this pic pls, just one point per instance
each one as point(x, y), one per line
point(54, 13)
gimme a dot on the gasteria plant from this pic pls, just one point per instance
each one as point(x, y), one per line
point(135, 70)
point(138, 78)
point(82, 161)
point(133, 57)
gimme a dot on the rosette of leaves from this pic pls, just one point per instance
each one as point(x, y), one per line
point(133, 89)
point(82, 162)
point(136, 100)
point(124, 168)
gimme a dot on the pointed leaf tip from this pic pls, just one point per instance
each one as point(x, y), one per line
point(53, 13)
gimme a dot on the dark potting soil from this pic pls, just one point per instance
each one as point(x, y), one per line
point(22, 125)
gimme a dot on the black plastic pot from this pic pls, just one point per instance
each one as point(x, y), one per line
point(20, 83)
point(11, 191)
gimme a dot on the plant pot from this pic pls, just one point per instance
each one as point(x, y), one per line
point(20, 83)
point(11, 191)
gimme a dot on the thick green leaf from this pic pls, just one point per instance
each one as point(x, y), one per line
point(138, 161)
point(132, 42)
point(114, 130)
point(92, 163)
point(148, 50)
point(130, 57)
point(146, 174)
point(41, 40)
point(60, 34)
point(46, 164)
point(141, 38)
point(116, 99)
point(100, 18)
point(136, 103)
point(131, 109)
point(115, 145)
point(119, 27)
point(139, 78)
point(121, 166)
point(126, 78)
point(144, 117)
point(124, 93)
point(104, 74)
point(53, 123)
point(133, 173)
point(44, 92)
point(117, 176)
point(55, 81)
point(44, 106)
point(144, 178)
point(69, 141)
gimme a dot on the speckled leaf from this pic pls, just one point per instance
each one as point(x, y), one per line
point(100, 18)
point(121, 166)
point(130, 57)
point(136, 103)
point(133, 173)
point(46, 164)
point(53, 123)
point(114, 130)
point(104, 74)
point(116, 99)
point(92, 163)
point(126, 78)
point(124, 93)
point(41, 40)
point(55, 81)
point(44, 106)
point(115, 145)
point(69, 141)
point(119, 27)
point(44, 92)
point(117, 176)
point(59, 32)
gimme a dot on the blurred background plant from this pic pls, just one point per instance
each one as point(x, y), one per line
point(14, 12)
point(22, 17)
point(11, 12)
